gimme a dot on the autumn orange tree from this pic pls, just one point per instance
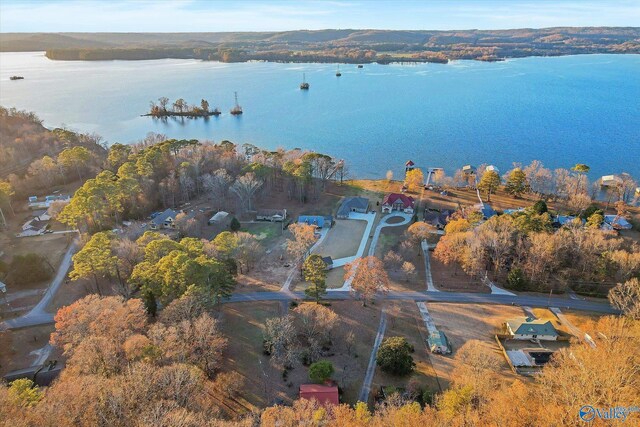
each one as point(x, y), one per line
point(368, 277)
point(302, 237)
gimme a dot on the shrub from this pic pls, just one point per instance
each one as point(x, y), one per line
point(320, 371)
point(235, 224)
point(540, 207)
point(394, 356)
point(516, 280)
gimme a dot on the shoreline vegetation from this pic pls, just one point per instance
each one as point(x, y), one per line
point(180, 108)
point(330, 46)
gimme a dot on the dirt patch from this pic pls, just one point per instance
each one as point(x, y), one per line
point(464, 322)
point(403, 319)
point(244, 324)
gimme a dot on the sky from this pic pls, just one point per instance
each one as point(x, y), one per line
point(279, 15)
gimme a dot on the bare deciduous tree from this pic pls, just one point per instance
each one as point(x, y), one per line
point(246, 188)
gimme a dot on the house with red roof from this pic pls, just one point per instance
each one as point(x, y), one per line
point(325, 394)
point(397, 202)
point(409, 166)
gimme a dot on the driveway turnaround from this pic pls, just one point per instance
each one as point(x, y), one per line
point(38, 316)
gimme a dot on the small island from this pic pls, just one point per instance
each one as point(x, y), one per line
point(16, 78)
point(180, 108)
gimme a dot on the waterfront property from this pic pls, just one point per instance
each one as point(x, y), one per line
point(352, 204)
point(397, 202)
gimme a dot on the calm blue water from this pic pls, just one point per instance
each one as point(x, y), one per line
point(559, 110)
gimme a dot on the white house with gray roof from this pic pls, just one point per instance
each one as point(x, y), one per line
point(352, 204)
point(528, 328)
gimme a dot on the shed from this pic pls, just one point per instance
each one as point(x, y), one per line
point(324, 394)
point(218, 218)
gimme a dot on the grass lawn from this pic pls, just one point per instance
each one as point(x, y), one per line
point(464, 322)
point(17, 344)
point(583, 320)
point(343, 239)
point(452, 278)
point(403, 319)
point(243, 324)
point(50, 246)
point(266, 232)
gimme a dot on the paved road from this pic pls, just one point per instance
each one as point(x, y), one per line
point(453, 297)
point(371, 368)
point(38, 314)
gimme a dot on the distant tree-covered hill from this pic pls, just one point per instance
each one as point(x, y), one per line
point(330, 45)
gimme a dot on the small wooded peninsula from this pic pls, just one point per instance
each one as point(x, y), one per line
point(180, 108)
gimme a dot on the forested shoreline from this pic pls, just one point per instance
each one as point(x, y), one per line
point(324, 46)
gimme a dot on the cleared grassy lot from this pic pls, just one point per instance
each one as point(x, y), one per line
point(343, 239)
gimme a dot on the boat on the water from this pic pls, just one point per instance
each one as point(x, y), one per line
point(304, 85)
point(216, 112)
point(360, 66)
point(16, 78)
point(237, 109)
point(338, 73)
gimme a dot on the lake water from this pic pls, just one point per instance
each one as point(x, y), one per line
point(561, 110)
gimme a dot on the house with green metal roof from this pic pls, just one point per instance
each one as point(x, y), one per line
point(528, 328)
